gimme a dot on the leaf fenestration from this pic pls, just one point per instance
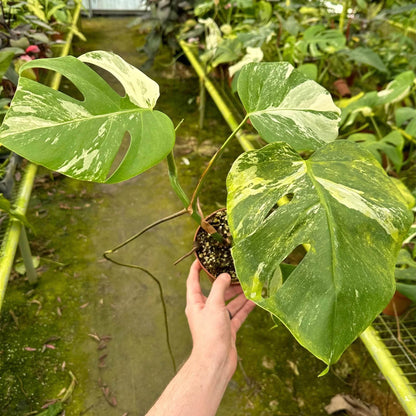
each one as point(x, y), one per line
point(82, 138)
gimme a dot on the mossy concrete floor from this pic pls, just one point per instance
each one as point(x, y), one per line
point(104, 324)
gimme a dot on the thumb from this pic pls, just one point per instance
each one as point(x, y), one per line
point(221, 284)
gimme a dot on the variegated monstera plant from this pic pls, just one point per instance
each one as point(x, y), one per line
point(342, 206)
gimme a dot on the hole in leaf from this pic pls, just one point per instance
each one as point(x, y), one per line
point(122, 151)
point(282, 201)
point(306, 154)
point(68, 87)
point(273, 284)
point(285, 269)
point(112, 81)
point(296, 256)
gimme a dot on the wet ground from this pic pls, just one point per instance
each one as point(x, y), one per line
point(103, 325)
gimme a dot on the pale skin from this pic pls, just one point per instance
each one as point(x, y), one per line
point(198, 387)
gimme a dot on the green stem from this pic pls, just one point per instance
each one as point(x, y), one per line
point(345, 5)
point(325, 70)
point(202, 102)
point(173, 177)
point(192, 204)
point(174, 182)
point(363, 127)
point(149, 227)
point(376, 128)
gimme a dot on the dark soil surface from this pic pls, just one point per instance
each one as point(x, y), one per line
point(214, 255)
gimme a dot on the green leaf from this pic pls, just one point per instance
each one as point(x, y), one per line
point(309, 70)
point(364, 106)
point(318, 41)
point(257, 37)
point(53, 410)
point(391, 145)
point(5, 61)
point(40, 37)
point(284, 105)
point(20, 266)
point(350, 213)
point(408, 290)
point(368, 57)
point(411, 127)
point(228, 50)
point(405, 259)
point(203, 7)
point(6, 206)
point(37, 9)
point(404, 114)
point(398, 89)
point(82, 138)
point(264, 11)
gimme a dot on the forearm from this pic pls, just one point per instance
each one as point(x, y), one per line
point(197, 389)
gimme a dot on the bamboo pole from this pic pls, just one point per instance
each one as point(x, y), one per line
point(219, 101)
point(390, 369)
point(14, 227)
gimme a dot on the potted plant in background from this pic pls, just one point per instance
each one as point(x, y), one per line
point(340, 204)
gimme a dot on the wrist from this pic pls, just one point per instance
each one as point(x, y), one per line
point(213, 365)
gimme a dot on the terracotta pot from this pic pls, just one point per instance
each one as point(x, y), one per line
point(199, 230)
point(401, 304)
point(342, 88)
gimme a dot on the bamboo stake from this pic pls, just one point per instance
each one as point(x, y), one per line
point(219, 101)
point(14, 228)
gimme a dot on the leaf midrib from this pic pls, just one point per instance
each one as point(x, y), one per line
point(331, 227)
point(77, 120)
point(279, 109)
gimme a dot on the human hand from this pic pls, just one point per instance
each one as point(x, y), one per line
point(213, 323)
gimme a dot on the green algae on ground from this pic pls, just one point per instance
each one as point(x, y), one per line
point(40, 325)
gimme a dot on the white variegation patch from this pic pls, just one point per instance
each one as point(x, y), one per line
point(23, 123)
point(87, 158)
point(141, 90)
point(353, 198)
point(307, 97)
point(252, 55)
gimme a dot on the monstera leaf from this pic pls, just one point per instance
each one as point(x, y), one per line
point(349, 212)
point(318, 41)
point(284, 105)
point(82, 138)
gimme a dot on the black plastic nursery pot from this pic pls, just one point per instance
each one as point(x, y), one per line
point(215, 256)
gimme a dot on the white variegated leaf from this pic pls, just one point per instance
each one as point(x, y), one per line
point(284, 105)
point(81, 139)
point(141, 90)
point(350, 214)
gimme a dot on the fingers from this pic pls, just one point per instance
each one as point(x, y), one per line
point(242, 314)
point(236, 304)
point(233, 291)
point(219, 287)
point(193, 288)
